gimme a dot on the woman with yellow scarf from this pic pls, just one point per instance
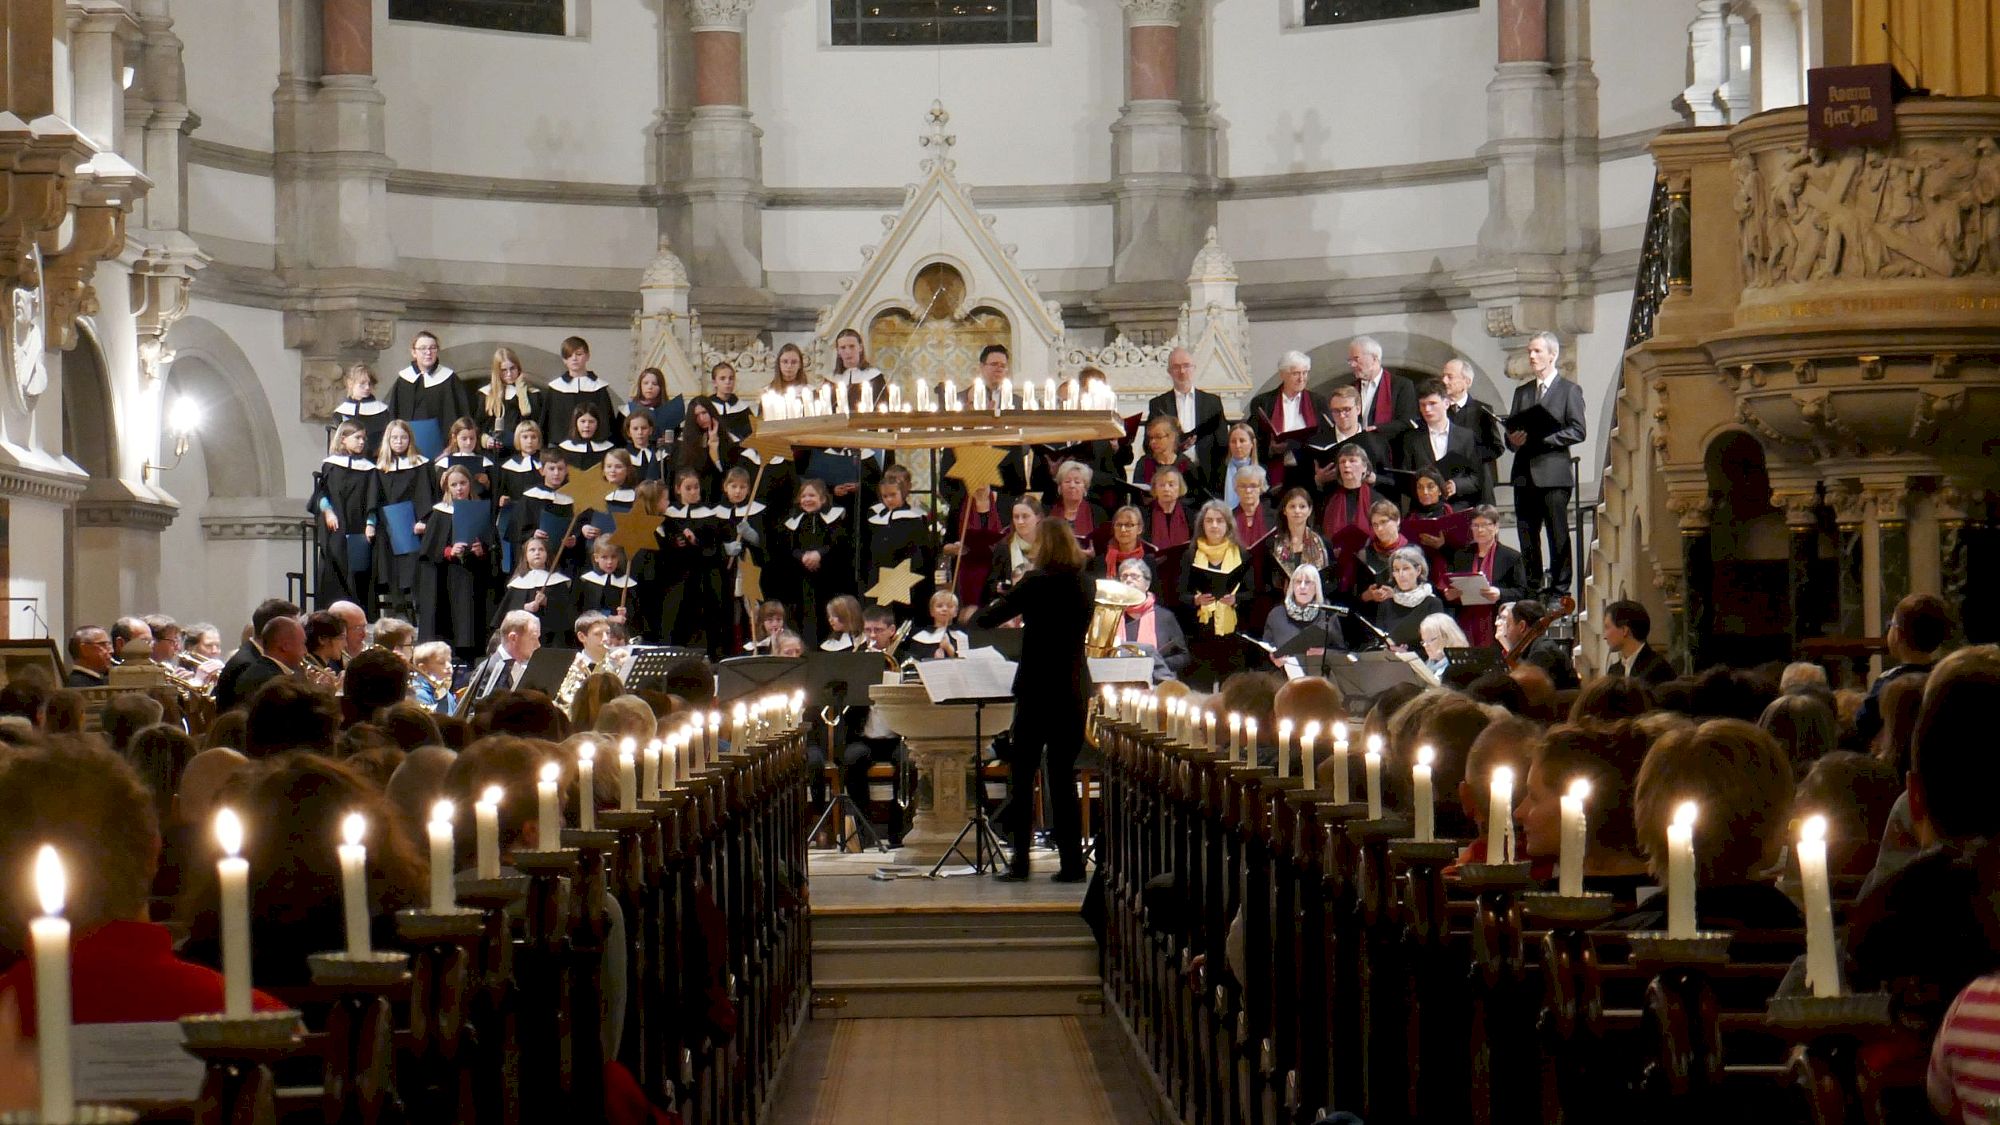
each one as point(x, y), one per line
point(1218, 574)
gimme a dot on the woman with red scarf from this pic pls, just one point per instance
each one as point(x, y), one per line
point(1125, 542)
point(1492, 560)
point(1167, 523)
point(1151, 626)
point(1163, 451)
point(980, 526)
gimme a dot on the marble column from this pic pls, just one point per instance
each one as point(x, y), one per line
point(1850, 516)
point(1158, 204)
point(1694, 510)
point(1889, 507)
point(1963, 511)
point(1524, 31)
point(714, 213)
point(347, 37)
point(1801, 509)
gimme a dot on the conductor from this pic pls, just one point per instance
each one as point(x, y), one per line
point(1051, 690)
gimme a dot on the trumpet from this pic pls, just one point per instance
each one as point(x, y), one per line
point(319, 675)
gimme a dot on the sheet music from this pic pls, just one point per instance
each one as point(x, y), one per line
point(1471, 589)
point(133, 1062)
point(948, 680)
point(1121, 669)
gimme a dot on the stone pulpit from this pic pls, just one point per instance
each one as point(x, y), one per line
point(943, 749)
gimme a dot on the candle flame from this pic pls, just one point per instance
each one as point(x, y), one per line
point(1235, 721)
point(50, 883)
point(442, 812)
point(1250, 729)
point(739, 712)
point(229, 831)
point(1503, 779)
point(1374, 744)
point(1339, 731)
point(491, 795)
point(1684, 814)
point(1813, 830)
point(715, 720)
point(550, 772)
point(586, 751)
point(1426, 755)
point(353, 828)
point(1311, 732)
point(1579, 789)
point(628, 746)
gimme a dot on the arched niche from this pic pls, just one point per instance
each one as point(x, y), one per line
point(89, 431)
point(239, 440)
point(1748, 549)
point(941, 333)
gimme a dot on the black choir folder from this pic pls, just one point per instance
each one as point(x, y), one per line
point(1535, 421)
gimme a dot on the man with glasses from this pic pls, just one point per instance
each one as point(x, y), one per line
point(89, 657)
point(1342, 426)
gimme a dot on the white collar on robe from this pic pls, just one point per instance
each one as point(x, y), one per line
point(522, 463)
point(571, 445)
point(599, 578)
point(826, 516)
point(437, 378)
point(841, 643)
point(402, 463)
point(536, 579)
point(583, 386)
point(366, 409)
point(357, 463)
point(540, 493)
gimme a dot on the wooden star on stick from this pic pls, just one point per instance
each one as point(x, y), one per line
point(634, 532)
point(894, 584)
point(977, 465)
point(753, 580)
point(588, 488)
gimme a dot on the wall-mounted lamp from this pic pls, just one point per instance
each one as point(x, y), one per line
point(183, 420)
point(126, 78)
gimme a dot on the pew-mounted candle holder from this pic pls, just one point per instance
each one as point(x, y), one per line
point(1495, 876)
point(382, 969)
point(260, 1037)
point(81, 1115)
point(1572, 912)
point(458, 925)
point(492, 894)
point(1657, 949)
point(1862, 1014)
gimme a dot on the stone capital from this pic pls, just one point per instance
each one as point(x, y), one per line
point(1800, 505)
point(1151, 13)
point(1887, 500)
point(1693, 510)
point(718, 15)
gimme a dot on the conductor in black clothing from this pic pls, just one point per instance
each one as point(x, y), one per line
point(1542, 477)
point(1051, 689)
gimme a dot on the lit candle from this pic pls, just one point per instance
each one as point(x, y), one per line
point(895, 396)
point(1235, 736)
point(1341, 794)
point(548, 821)
point(1250, 741)
point(1569, 860)
point(586, 786)
point(49, 935)
point(1028, 395)
point(798, 705)
point(1306, 738)
point(978, 394)
point(1680, 872)
point(1110, 697)
point(950, 394)
point(444, 897)
point(628, 778)
point(354, 883)
point(1049, 394)
point(1373, 761)
point(738, 715)
point(233, 872)
point(649, 768)
point(1822, 959)
point(867, 397)
point(1208, 736)
point(486, 832)
point(1006, 395)
point(715, 735)
point(1500, 817)
point(1423, 800)
point(1284, 748)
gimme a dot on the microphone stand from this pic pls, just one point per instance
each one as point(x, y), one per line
point(1349, 613)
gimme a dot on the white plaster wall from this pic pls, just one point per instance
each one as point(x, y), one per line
point(534, 106)
point(521, 233)
point(231, 56)
point(1372, 221)
point(851, 116)
point(1310, 99)
point(1640, 53)
point(1624, 193)
point(233, 215)
point(1046, 238)
point(37, 568)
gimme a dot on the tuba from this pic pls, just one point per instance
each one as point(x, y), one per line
point(1101, 638)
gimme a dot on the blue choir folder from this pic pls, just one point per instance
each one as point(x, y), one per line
point(554, 524)
point(360, 553)
point(401, 520)
point(429, 436)
point(471, 520)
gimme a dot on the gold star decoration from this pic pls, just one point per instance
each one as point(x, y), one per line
point(894, 584)
point(753, 580)
point(588, 488)
point(633, 531)
point(977, 465)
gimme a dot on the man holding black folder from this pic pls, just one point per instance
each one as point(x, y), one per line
point(1546, 421)
point(1442, 444)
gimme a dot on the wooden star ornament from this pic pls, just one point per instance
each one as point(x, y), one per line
point(588, 488)
point(977, 465)
point(633, 531)
point(752, 577)
point(894, 584)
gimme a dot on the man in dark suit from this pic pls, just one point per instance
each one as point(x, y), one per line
point(227, 694)
point(1626, 627)
point(1340, 426)
point(1474, 415)
point(1441, 444)
point(89, 657)
point(1204, 430)
point(282, 652)
point(520, 636)
point(1284, 418)
point(1541, 475)
point(1388, 402)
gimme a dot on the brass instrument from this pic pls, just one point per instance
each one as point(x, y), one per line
point(579, 671)
point(1102, 637)
point(319, 675)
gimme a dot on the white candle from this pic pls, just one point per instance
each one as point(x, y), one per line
point(354, 883)
point(49, 935)
point(1373, 761)
point(1306, 738)
point(1250, 741)
point(444, 896)
point(798, 706)
point(670, 765)
point(1284, 748)
point(715, 735)
point(867, 397)
point(1341, 793)
point(1822, 957)
point(1569, 860)
point(895, 397)
point(548, 822)
point(486, 832)
point(586, 786)
point(649, 778)
point(1500, 817)
point(1029, 399)
point(233, 872)
point(1423, 800)
point(1006, 395)
point(1680, 872)
point(1208, 736)
point(738, 716)
point(628, 778)
point(979, 394)
point(1049, 394)
point(1109, 708)
point(1235, 736)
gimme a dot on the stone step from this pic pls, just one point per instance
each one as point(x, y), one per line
point(1068, 995)
point(968, 958)
point(876, 925)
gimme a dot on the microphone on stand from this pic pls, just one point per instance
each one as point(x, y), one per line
point(1348, 612)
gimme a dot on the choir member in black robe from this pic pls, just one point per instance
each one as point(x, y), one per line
point(899, 531)
point(853, 377)
point(402, 476)
point(577, 386)
point(1073, 507)
point(585, 447)
point(1163, 451)
point(1168, 521)
point(548, 498)
point(1216, 578)
point(362, 407)
point(642, 609)
point(748, 538)
point(813, 558)
point(690, 564)
point(1285, 418)
point(509, 401)
point(1410, 599)
point(731, 408)
point(427, 388)
point(546, 593)
point(1014, 553)
point(1498, 564)
point(649, 461)
point(606, 588)
point(706, 448)
point(343, 500)
point(462, 451)
point(943, 640)
point(455, 577)
point(663, 414)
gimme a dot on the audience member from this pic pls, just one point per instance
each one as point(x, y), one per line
point(290, 715)
point(1918, 631)
point(1804, 727)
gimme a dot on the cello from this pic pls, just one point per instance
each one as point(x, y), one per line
point(1534, 632)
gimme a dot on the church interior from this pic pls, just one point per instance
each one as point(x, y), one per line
point(1557, 393)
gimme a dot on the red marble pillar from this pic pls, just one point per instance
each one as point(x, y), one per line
point(1153, 62)
point(1524, 31)
point(347, 37)
point(718, 67)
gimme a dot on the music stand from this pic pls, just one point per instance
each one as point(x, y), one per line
point(1007, 642)
point(1465, 665)
point(831, 679)
point(743, 676)
point(979, 683)
point(1361, 676)
point(546, 670)
point(650, 664)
